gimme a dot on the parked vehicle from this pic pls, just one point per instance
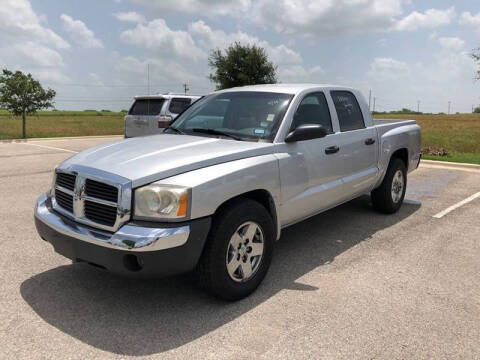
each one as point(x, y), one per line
point(150, 115)
point(213, 192)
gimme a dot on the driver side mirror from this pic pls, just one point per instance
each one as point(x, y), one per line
point(306, 132)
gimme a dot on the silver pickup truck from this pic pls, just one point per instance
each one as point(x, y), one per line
point(213, 192)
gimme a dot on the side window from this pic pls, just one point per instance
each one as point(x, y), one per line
point(313, 110)
point(178, 105)
point(349, 113)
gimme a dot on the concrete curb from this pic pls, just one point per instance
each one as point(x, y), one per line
point(61, 138)
point(450, 164)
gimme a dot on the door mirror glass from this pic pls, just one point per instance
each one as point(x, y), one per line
point(306, 132)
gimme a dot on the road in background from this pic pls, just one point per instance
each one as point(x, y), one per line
point(349, 283)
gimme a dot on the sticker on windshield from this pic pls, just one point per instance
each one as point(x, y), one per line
point(263, 124)
point(259, 131)
point(270, 117)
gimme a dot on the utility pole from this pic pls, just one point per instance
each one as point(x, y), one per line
point(374, 102)
point(449, 107)
point(185, 88)
point(370, 100)
point(148, 79)
point(418, 106)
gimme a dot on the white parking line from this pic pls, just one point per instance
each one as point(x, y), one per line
point(50, 147)
point(457, 205)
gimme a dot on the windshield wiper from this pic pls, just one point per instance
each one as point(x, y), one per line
point(178, 131)
point(215, 132)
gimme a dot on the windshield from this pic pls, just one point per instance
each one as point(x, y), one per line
point(248, 115)
point(146, 107)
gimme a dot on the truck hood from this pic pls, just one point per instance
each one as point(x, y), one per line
point(152, 158)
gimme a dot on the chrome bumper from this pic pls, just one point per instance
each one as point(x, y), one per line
point(128, 237)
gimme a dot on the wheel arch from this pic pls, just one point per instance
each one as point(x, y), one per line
point(401, 154)
point(262, 196)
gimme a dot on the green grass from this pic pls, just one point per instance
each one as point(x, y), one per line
point(458, 134)
point(62, 125)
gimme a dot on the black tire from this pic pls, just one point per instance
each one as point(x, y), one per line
point(382, 197)
point(212, 273)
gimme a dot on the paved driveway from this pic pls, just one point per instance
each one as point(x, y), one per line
point(349, 283)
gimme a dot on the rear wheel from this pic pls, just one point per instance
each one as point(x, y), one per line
point(388, 197)
point(239, 250)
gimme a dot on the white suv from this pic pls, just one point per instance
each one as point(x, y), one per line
point(151, 114)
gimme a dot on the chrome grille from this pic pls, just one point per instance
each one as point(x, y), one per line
point(92, 197)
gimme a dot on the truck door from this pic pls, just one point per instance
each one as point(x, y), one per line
point(357, 145)
point(309, 170)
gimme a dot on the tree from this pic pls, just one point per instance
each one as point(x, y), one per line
point(476, 58)
point(241, 65)
point(477, 110)
point(23, 95)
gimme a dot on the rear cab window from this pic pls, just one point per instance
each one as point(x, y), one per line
point(177, 105)
point(146, 107)
point(348, 110)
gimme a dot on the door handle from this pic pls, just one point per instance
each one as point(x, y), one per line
point(370, 141)
point(331, 150)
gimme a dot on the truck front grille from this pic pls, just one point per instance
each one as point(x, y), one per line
point(90, 201)
point(100, 213)
point(66, 181)
point(64, 200)
point(101, 191)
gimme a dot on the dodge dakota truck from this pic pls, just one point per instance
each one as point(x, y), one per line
point(213, 191)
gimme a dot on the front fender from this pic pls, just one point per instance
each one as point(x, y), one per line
point(213, 185)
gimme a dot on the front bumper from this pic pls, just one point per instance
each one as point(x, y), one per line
point(135, 250)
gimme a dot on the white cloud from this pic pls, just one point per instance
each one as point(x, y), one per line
point(80, 33)
point(38, 55)
point(27, 44)
point(451, 43)
point(165, 75)
point(130, 16)
point(387, 69)
point(316, 18)
point(50, 75)
point(18, 22)
point(208, 8)
point(300, 74)
point(467, 18)
point(156, 35)
point(208, 39)
point(95, 79)
point(429, 19)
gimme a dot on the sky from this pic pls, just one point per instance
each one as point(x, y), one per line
point(95, 54)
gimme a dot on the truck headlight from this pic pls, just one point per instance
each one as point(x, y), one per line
point(157, 202)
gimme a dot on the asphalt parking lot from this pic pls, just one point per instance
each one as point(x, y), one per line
point(349, 283)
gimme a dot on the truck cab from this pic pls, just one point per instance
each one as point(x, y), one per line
point(151, 114)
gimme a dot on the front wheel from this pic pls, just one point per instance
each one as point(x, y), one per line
point(388, 197)
point(238, 251)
